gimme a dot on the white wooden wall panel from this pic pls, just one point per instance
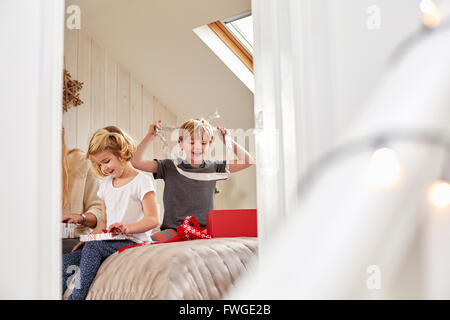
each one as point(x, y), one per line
point(111, 95)
point(147, 117)
point(70, 53)
point(98, 87)
point(157, 115)
point(123, 98)
point(171, 119)
point(110, 91)
point(135, 110)
point(84, 75)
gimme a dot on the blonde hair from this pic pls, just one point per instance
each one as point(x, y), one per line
point(113, 139)
point(196, 126)
point(65, 170)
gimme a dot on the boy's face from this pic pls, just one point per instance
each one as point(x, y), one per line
point(196, 148)
point(109, 163)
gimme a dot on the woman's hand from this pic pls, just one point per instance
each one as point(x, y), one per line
point(118, 228)
point(224, 132)
point(153, 127)
point(72, 218)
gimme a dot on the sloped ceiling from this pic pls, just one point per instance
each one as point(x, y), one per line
point(154, 40)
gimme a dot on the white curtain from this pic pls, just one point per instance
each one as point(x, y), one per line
point(290, 133)
point(346, 239)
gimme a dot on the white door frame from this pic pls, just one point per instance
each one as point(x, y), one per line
point(31, 64)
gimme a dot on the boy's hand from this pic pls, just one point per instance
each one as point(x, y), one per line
point(153, 127)
point(224, 132)
point(118, 228)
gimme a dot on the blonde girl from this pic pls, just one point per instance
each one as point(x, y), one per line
point(128, 205)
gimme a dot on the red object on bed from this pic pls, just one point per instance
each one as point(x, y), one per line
point(232, 223)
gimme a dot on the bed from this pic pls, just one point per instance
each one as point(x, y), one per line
point(197, 269)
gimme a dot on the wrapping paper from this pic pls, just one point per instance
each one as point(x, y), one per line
point(106, 236)
point(67, 230)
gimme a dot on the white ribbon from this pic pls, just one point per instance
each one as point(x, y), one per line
point(204, 176)
point(200, 176)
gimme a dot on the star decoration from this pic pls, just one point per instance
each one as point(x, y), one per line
point(71, 92)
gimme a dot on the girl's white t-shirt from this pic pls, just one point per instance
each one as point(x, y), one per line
point(124, 204)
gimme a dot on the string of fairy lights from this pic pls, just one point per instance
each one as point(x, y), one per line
point(431, 14)
point(384, 168)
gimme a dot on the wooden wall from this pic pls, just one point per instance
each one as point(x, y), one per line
point(111, 96)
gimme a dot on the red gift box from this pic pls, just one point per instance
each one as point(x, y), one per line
point(232, 223)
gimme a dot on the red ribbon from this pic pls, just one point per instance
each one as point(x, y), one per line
point(184, 232)
point(192, 233)
point(135, 245)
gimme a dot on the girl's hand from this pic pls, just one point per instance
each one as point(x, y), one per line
point(224, 132)
point(72, 218)
point(78, 245)
point(97, 230)
point(153, 127)
point(118, 228)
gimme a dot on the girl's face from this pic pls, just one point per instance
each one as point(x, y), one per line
point(196, 149)
point(109, 163)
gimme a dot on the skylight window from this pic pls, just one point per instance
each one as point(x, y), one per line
point(241, 27)
point(231, 40)
point(237, 34)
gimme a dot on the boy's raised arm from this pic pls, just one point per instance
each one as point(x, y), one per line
point(244, 159)
point(138, 160)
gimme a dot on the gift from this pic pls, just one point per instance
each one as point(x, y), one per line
point(67, 230)
point(232, 223)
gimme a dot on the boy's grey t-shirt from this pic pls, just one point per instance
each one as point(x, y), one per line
point(184, 197)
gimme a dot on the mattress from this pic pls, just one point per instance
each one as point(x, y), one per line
point(197, 269)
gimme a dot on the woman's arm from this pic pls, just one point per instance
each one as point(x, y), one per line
point(91, 219)
point(150, 220)
point(92, 204)
point(99, 227)
point(138, 158)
